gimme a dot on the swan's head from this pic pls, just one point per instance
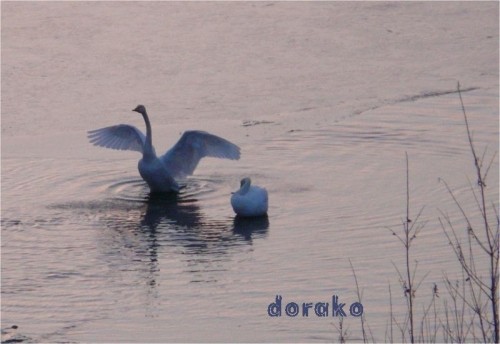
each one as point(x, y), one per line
point(245, 181)
point(140, 109)
point(244, 186)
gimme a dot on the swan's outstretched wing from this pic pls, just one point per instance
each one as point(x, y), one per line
point(122, 136)
point(183, 157)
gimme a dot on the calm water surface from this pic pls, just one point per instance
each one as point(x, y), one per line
point(89, 256)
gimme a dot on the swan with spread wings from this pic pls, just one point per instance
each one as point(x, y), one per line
point(160, 173)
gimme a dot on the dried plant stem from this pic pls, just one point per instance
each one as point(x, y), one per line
point(407, 246)
point(411, 227)
point(478, 286)
point(360, 297)
point(391, 339)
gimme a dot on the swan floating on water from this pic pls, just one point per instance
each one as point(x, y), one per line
point(249, 200)
point(178, 162)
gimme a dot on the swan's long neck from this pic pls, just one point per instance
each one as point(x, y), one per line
point(148, 150)
point(245, 186)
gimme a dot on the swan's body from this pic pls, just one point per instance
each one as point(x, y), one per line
point(160, 173)
point(249, 200)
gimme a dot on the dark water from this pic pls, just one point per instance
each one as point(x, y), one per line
point(88, 255)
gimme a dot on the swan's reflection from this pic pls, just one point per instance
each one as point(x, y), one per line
point(250, 227)
point(176, 221)
point(163, 209)
point(170, 226)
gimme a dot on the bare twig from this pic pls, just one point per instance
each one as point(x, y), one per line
point(360, 296)
point(482, 293)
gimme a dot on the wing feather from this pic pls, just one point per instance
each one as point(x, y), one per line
point(182, 159)
point(122, 137)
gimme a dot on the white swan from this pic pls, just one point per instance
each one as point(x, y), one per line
point(249, 200)
point(178, 162)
